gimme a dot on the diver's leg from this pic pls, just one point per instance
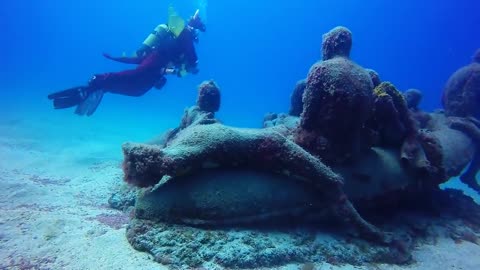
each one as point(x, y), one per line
point(135, 82)
point(87, 98)
point(130, 82)
point(469, 177)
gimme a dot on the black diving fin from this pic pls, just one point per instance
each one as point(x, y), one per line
point(90, 104)
point(68, 98)
point(83, 97)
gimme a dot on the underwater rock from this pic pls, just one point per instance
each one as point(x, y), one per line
point(374, 76)
point(123, 198)
point(251, 248)
point(461, 95)
point(234, 196)
point(230, 197)
point(296, 101)
point(241, 196)
point(337, 42)
point(208, 97)
point(443, 214)
point(337, 102)
point(379, 171)
point(413, 97)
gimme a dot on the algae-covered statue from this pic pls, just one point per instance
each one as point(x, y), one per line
point(353, 151)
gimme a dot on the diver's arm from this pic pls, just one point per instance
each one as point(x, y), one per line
point(125, 59)
point(160, 39)
point(191, 60)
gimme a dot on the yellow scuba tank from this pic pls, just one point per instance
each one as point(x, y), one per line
point(154, 39)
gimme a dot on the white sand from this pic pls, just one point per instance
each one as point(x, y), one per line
point(50, 196)
point(52, 193)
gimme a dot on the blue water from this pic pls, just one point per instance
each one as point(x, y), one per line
point(256, 52)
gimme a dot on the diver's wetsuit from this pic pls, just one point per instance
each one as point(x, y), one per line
point(133, 82)
point(138, 81)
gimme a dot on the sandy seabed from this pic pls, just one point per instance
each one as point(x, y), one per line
point(54, 211)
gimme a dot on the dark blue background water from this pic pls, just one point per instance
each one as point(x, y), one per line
point(255, 51)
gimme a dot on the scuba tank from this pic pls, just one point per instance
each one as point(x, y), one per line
point(157, 36)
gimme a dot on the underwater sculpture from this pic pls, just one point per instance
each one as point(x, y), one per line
point(357, 144)
point(461, 95)
point(461, 99)
point(337, 101)
point(296, 106)
point(471, 127)
point(216, 145)
point(374, 76)
point(413, 97)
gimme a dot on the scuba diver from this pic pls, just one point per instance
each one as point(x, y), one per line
point(169, 49)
